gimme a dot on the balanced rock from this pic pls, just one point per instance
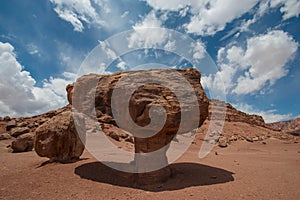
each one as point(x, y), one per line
point(58, 138)
point(23, 143)
point(93, 95)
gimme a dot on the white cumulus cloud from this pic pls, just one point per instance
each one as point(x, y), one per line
point(262, 62)
point(77, 12)
point(208, 17)
point(141, 37)
point(289, 8)
point(19, 94)
point(267, 56)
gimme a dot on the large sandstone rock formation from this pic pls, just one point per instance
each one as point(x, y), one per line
point(58, 138)
point(92, 94)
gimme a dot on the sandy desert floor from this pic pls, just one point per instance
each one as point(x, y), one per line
point(241, 171)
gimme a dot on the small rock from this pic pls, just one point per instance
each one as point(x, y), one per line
point(31, 125)
point(6, 118)
point(5, 136)
point(129, 139)
point(94, 130)
point(255, 139)
point(23, 143)
point(223, 142)
point(283, 137)
point(123, 135)
point(19, 131)
point(114, 135)
point(41, 121)
point(105, 119)
point(22, 124)
point(11, 124)
point(233, 138)
point(264, 143)
point(249, 139)
point(216, 153)
point(261, 138)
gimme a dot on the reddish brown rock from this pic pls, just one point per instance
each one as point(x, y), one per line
point(15, 132)
point(6, 118)
point(23, 143)
point(5, 136)
point(11, 124)
point(222, 142)
point(69, 90)
point(290, 126)
point(58, 138)
point(92, 94)
point(220, 110)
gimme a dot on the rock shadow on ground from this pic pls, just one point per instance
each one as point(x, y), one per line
point(184, 175)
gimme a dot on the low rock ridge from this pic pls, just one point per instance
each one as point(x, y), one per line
point(219, 110)
point(290, 126)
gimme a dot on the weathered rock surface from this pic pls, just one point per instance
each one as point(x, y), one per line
point(222, 142)
point(290, 126)
point(58, 138)
point(5, 136)
point(23, 143)
point(15, 132)
point(95, 92)
point(11, 124)
point(217, 109)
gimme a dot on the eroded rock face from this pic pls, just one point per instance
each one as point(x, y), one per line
point(290, 126)
point(58, 138)
point(93, 94)
point(220, 110)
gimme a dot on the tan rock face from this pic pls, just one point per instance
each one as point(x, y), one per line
point(93, 94)
point(58, 138)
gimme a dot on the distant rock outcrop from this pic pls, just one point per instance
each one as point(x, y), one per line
point(58, 138)
point(290, 126)
point(231, 114)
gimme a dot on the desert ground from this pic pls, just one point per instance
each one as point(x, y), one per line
point(243, 170)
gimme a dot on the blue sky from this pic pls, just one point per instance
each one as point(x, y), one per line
point(255, 45)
